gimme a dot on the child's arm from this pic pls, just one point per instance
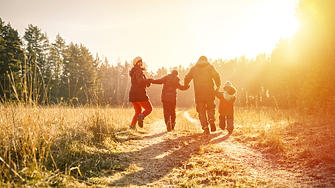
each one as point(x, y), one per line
point(231, 98)
point(219, 94)
point(183, 87)
point(159, 81)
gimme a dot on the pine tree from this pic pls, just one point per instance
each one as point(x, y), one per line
point(55, 60)
point(37, 70)
point(11, 55)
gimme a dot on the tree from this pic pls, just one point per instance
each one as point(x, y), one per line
point(55, 61)
point(80, 74)
point(314, 45)
point(11, 56)
point(37, 69)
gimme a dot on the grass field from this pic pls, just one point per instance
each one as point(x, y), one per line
point(74, 147)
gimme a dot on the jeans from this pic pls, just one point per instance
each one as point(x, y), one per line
point(169, 109)
point(226, 120)
point(206, 112)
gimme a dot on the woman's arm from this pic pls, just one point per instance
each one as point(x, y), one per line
point(141, 79)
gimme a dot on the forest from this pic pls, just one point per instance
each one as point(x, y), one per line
point(299, 72)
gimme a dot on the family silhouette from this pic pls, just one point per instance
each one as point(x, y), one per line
point(206, 81)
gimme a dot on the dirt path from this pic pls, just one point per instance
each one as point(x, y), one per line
point(155, 158)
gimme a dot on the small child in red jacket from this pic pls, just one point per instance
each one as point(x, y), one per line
point(226, 109)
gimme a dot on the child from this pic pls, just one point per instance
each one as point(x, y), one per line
point(226, 109)
point(169, 94)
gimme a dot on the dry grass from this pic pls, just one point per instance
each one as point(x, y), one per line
point(296, 137)
point(74, 147)
point(293, 136)
point(41, 145)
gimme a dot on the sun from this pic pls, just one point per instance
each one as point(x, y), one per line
point(290, 26)
point(285, 22)
point(266, 24)
point(281, 18)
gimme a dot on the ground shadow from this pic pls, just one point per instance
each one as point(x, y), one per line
point(157, 164)
point(220, 139)
point(155, 135)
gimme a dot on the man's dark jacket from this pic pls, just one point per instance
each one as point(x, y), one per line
point(203, 74)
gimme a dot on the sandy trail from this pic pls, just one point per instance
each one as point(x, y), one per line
point(152, 158)
point(258, 165)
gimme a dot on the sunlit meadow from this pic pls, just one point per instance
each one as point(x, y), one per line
point(57, 145)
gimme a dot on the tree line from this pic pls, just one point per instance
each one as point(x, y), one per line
point(297, 74)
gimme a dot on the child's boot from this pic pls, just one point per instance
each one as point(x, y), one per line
point(132, 127)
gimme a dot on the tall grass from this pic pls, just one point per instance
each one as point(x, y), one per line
point(263, 127)
point(52, 146)
point(294, 135)
point(36, 142)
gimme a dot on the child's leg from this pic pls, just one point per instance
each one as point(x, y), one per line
point(169, 115)
point(166, 112)
point(222, 122)
point(173, 114)
point(230, 123)
point(138, 111)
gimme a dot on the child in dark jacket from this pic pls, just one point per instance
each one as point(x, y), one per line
point(226, 109)
point(169, 97)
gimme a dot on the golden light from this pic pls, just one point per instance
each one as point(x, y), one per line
point(266, 24)
point(250, 30)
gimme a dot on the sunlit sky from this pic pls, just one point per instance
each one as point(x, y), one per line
point(164, 33)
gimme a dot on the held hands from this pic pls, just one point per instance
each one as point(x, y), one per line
point(217, 93)
point(184, 87)
point(149, 81)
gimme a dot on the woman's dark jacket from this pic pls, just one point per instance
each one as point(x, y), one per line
point(170, 85)
point(139, 83)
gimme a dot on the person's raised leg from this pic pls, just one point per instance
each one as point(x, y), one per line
point(147, 107)
point(147, 110)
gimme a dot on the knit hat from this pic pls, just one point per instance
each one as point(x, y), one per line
point(136, 59)
point(175, 72)
point(228, 84)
